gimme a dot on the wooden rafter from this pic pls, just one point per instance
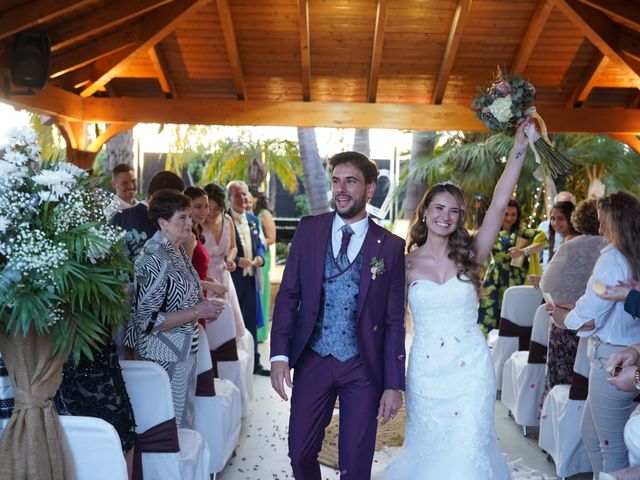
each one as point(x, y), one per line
point(451, 50)
point(159, 61)
point(82, 55)
point(229, 33)
point(530, 39)
point(111, 131)
point(153, 28)
point(376, 56)
point(33, 13)
point(305, 48)
point(599, 29)
point(99, 20)
point(582, 91)
point(623, 12)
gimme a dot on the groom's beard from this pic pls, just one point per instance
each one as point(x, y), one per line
point(358, 205)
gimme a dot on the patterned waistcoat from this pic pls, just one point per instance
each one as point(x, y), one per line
point(334, 333)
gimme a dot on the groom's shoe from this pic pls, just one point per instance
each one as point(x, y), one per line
point(259, 370)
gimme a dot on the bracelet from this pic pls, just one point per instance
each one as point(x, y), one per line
point(526, 251)
point(195, 313)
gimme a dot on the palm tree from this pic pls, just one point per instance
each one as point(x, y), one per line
point(314, 175)
point(422, 146)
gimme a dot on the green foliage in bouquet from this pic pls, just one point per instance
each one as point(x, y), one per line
point(63, 271)
point(500, 106)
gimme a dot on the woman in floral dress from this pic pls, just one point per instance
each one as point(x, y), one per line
point(500, 273)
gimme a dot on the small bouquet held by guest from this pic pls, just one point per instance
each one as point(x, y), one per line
point(503, 104)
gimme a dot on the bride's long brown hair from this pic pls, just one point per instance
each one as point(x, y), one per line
point(460, 241)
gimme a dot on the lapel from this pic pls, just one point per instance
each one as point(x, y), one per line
point(372, 246)
point(319, 244)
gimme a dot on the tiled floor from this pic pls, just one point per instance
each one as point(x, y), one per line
point(262, 453)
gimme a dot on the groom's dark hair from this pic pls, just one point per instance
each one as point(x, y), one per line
point(360, 161)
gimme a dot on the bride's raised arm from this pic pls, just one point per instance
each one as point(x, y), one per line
point(490, 228)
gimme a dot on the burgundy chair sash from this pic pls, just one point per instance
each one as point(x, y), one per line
point(579, 387)
point(510, 329)
point(227, 352)
point(537, 353)
point(205, 384)
point(163, 438)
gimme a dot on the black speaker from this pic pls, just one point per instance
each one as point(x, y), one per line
point(30, 60)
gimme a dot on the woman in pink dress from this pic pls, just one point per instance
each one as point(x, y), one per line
point(220, 243)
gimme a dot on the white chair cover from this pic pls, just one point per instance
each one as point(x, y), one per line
point(523, 382)
point(150, 393)
point(217, 418)
point(632, 437)
point(95, 448)
point(220, 331)
point(560, 423)
point(518, 306)
point(247, 358)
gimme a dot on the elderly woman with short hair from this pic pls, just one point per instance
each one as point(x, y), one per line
point(169, 301)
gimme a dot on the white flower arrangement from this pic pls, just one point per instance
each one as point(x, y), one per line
point(63, 270)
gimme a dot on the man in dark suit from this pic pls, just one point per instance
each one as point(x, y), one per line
point(248, 260)
point(135, 220)
point(339, 322)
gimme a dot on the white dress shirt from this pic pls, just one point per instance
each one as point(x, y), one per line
point(360, 229)
point(613, 324)
point(123, 204)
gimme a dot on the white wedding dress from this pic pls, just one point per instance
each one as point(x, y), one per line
point(451, 391)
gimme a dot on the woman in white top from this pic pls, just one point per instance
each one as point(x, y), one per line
point(609, 329)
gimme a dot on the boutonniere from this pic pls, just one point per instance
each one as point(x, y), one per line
point(377, 267)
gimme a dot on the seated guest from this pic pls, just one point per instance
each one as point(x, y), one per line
point(135, 220)
point(609, 329)
point(124, 183)
point(565, 279)
point(168, 301)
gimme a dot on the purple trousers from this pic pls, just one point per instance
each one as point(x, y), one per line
point(317, 381)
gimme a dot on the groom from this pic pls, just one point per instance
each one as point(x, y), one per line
point(339, 322)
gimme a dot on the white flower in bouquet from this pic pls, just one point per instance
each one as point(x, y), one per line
point(501, 109)
point(63, 269)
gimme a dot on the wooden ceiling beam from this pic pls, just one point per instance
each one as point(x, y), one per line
point(376, 55)
point(99, 20)
point(305, 48)
point(153, 28)
point(355, 115)
point(51, 101)
point(531, 36)
point(229, 33)
point(582, 91)
point(34, 13)
point(160, 65)
point(451, 50)
point(620, 11)
point(82, 55)
point(599, 29)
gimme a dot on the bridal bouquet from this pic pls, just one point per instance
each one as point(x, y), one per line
point(63, 272)
point(507, 100)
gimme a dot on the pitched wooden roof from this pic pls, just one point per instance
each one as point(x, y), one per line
point(353, 63)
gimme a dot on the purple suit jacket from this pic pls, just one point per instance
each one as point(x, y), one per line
point(380, 315)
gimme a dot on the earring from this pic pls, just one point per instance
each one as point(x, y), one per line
point(424, 219)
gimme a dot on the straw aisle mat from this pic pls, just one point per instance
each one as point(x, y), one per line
point(391, 434)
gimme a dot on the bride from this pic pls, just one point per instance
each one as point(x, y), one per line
point(451, 387)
